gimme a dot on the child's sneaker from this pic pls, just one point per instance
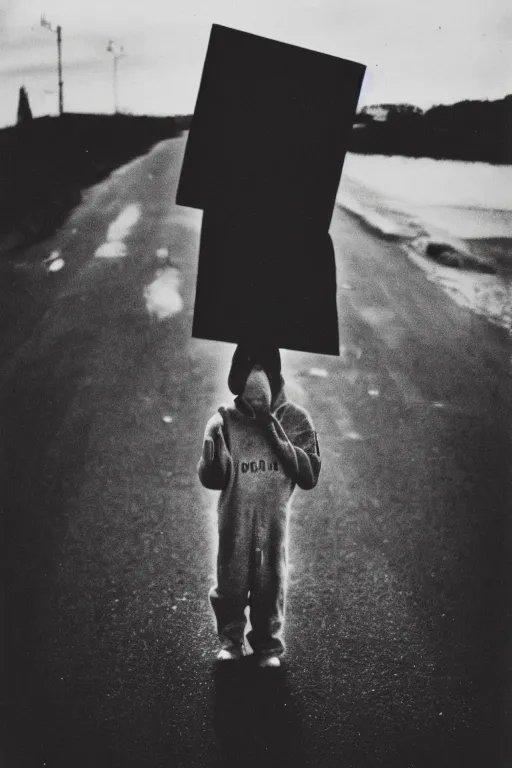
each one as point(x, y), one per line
point(229, 654)
point(270, 662)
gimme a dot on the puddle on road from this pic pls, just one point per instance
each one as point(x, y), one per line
point(352, 435)
point(119, 229)
point(56, 265)
point(162, 295)
point(350, 354)
point(115, 250)
point(346, 426)
point(319, 373)
point(383, 321)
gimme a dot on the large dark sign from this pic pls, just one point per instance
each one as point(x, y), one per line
point(263, 161)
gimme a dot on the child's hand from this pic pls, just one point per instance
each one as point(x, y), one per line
point(261, 413)
point(260, 406)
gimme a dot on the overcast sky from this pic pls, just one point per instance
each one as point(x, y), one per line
point(418, 51)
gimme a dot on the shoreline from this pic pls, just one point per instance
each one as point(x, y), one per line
point(486, 292)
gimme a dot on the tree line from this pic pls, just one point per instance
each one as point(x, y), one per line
point(467, 130)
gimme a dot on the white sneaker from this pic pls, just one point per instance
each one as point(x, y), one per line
point(270, 662)
point(227, 655)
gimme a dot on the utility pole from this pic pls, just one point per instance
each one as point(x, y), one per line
point(61, 84)
point(116, 54)
point(46, 24)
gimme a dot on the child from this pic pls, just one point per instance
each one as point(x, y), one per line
point(255, 452)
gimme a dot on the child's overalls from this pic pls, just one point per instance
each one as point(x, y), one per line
point(252, 520)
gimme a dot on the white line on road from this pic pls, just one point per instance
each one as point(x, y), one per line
point(119, 229)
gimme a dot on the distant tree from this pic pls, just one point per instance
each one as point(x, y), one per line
point(405, 109)
point(399, 111)
point(24, 111)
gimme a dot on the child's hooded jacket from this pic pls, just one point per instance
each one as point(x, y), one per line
point(284, 442)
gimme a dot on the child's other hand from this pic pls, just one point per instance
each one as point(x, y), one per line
point(209, 449)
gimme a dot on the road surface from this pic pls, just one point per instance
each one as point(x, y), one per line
point(398, 607)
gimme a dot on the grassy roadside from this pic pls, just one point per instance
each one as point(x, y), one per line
point(46, 162)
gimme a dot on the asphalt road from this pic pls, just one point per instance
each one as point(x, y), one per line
point(398, 617)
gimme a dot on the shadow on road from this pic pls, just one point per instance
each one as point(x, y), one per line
point(255, 719)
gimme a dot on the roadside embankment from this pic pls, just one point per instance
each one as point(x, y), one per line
point(46, 162)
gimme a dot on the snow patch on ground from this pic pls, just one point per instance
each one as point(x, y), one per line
point(123, 225)
point(54, 262)
point(114, 250)
point(120, 228)
point(162, 295)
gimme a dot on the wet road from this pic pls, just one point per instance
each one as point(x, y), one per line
point(398, 617)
